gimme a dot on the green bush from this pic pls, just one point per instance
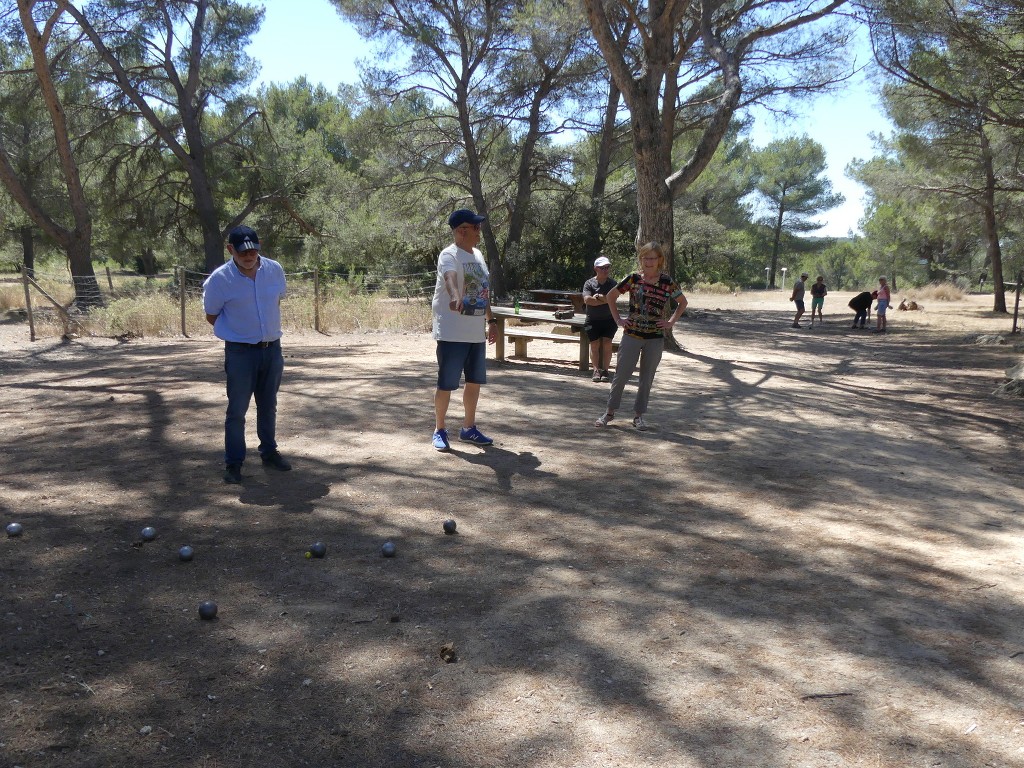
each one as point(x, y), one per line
point(716, 288)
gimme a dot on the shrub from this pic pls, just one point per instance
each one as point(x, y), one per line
point(159, 315)
point(12, 296)
point(937, 291)
point(143, 315)
point(717, 288)
point(143, 308)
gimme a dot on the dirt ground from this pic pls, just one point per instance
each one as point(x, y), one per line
point(814, 558)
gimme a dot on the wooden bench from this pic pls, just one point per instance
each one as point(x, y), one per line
point(528, 325)
point(544, 306)
point(573, 298)
point(521, 337)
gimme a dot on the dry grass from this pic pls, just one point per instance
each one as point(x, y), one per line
point(12, 296)
point(714, 288)
point(936, 292)
point(151, 309)
point(158, 315)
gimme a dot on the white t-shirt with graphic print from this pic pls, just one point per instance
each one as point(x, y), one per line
point(468, 322)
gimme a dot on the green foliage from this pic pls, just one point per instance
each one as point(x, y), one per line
point(359, 182)
point(792, 183)
point(955, 94)
point(715, 289)
point(912, 233)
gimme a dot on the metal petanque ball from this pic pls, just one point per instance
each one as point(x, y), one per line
point(208, 610)
point(318, 549)
point(148, 533)
point(185, 553)
point(449, 527)
point(388, 550)
point(14, 529)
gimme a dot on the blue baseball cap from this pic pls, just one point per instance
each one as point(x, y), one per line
point(464, 216)
point(244, 239)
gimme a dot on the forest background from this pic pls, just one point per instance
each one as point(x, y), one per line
point(134, 134)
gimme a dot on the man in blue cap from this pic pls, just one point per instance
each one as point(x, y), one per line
point(242, 300)
point(462, 327)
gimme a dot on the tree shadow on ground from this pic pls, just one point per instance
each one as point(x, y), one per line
point(668, 598)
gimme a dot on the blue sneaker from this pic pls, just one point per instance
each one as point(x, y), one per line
point(441, 440)
point(475, 436)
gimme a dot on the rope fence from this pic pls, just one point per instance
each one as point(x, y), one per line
point(169, 304)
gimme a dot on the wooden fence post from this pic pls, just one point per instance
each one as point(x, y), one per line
point(1016, 301)
point(316, 299)
point(28, 304)
point(66, 318)
point(110, 281)
point(181, 297)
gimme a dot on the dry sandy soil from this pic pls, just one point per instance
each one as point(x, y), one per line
point(813, 559)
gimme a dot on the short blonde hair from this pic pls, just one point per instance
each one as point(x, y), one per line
point(646, 248)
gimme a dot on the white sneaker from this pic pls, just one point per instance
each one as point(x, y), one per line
point(603, 421)
point(640, 424)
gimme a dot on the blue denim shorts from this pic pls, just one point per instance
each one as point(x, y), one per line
point(457, 357)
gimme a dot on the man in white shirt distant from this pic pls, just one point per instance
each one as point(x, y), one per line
point(242, 300)
point(463, 325)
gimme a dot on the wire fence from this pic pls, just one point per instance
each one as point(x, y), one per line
point(169, 304)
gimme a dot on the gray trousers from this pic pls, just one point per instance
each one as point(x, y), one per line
point(648, 353)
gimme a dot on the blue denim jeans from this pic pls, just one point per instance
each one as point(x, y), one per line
point(251, 372)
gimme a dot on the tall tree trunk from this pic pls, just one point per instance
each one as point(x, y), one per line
point(776, 239)
point(75, 241)
point(87, 287)
point(993, 252)
point(605, 146)
point(213, 241)
point(653, 197)
point(524, 176)
point(28, 249)
point(147, 260)
point(191, 104)
point(654, 200)
point(202, 190)
point(493, 252)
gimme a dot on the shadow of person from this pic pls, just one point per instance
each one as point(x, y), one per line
point(293, 492)
point(506, 464)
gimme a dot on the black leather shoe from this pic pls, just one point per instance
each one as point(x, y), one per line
point(277, 461)
point(233, 474)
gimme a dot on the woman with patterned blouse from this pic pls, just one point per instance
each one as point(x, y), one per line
point(643, 337)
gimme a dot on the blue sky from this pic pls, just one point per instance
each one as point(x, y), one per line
point(307, 37)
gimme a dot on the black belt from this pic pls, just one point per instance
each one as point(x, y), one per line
point(258, 345)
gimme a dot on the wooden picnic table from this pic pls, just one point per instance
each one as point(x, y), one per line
point(555, 296)
point(521, 336)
